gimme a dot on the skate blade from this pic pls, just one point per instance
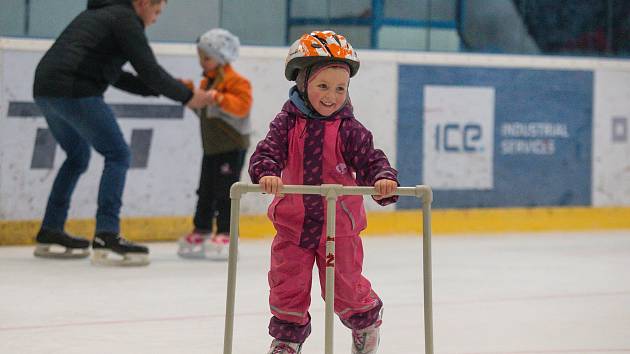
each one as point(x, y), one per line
point(201, 255)
point(109, 258)
point(208, 251)
point(188, 251)
point(217, 252)
point(60, 252)
point(189, 254)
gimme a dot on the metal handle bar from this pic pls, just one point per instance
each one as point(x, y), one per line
point(331, 192)
point(420, 191)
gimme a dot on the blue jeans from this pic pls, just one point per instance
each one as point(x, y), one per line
point(78, 124)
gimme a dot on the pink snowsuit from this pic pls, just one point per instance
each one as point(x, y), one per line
point(311, 151)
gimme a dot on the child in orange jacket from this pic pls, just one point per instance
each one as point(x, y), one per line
point(225, 129)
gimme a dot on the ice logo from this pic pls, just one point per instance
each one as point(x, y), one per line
point(342, 168)
point(458, 126)
point(456, 137)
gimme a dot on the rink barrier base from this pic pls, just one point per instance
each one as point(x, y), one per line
point(392, 223)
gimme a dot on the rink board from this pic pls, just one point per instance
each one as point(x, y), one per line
point(496, 137)
point(472, 148)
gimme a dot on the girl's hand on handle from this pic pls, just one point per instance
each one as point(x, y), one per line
point(385, 188)
point(271, 185)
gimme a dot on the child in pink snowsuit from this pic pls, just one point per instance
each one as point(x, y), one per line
point(315, 140)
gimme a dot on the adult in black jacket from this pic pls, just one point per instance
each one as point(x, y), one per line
point(69, 84)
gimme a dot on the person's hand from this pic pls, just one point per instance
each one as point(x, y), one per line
point(271, 185)
point(211, 99)
point(199, 99)
point(188, 83)
point(385, 188)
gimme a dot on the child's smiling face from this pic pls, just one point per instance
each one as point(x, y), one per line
point(207, 62)
point(328, 90)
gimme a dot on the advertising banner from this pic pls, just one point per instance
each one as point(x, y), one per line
point(493, 137)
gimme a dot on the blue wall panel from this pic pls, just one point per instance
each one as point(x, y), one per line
point(541, 137)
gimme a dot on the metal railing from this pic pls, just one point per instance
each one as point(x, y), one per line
point(330, 192)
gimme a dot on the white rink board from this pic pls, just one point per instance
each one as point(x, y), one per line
point(167, 186)
point(611, 136)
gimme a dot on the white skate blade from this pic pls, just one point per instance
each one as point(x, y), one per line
point(191, 254)
point(189, 251)
point(217, 252)
point(205, 251)
point(207, 254)
point(217, 256)
point(108, 258)
point(43, 250)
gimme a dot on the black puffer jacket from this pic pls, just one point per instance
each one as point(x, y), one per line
point(89, 54)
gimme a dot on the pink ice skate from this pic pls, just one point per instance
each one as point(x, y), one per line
point(283, 347)
point(366, 340)
point(193, 245)
point(219, 247)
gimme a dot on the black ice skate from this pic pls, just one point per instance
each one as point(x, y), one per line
point(58, 244)
point(113, 250)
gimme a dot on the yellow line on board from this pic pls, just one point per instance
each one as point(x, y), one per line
point(444, 221)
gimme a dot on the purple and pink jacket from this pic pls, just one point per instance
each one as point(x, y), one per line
point(310, 151)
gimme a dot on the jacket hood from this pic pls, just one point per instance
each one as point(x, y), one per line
point(95, 4)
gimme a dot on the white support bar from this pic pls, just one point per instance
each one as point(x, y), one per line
point(330, 192)
point(421, 191)
point(329, 320)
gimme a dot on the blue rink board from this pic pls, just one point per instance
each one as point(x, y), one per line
point(521, 95)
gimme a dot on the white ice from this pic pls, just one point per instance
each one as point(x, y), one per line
point(542, 293)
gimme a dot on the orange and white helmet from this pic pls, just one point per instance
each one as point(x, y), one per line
point(319, 46)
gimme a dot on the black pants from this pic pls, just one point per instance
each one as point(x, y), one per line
point(218, 173)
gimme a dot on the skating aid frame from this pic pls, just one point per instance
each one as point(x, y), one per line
point(330, 192)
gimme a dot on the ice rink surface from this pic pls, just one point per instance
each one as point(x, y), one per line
point(541, 293)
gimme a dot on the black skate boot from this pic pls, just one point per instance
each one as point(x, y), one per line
point(58, 244)
point(113, 249)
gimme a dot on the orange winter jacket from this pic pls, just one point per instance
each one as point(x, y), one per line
point(225, 126)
